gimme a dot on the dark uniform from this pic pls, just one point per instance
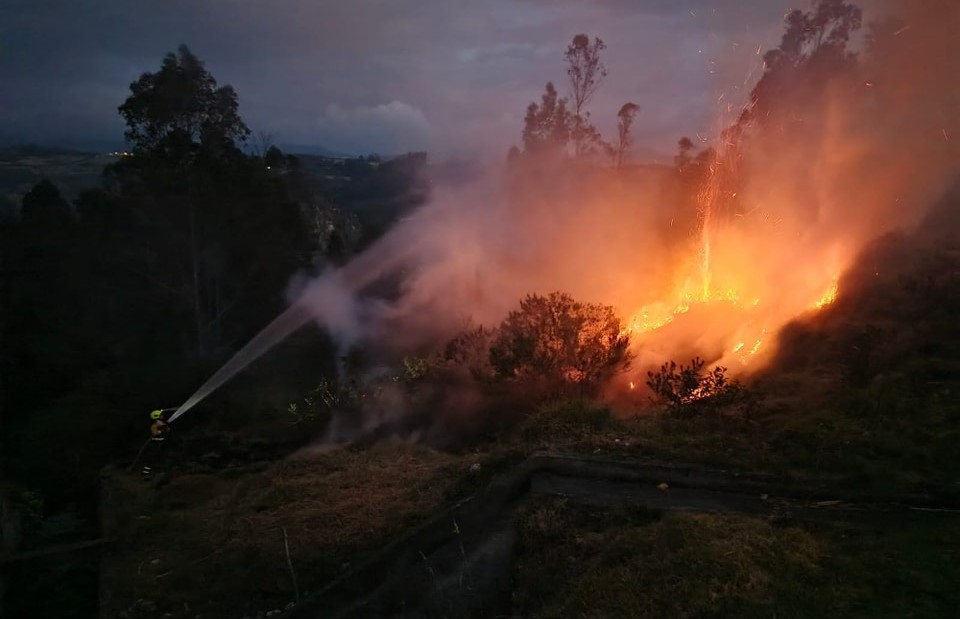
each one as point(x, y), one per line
point(158, 433)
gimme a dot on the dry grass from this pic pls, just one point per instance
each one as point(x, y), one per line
point(636, 564)
point(214, 545)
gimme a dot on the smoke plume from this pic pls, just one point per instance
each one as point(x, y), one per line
point(865, 154)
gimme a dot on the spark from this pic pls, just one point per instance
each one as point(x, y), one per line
point(904, 29)
point(632, 386)
point(738, 347)
point(759, 47)
point(945, 136)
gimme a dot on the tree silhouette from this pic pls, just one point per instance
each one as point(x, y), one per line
point(219, 229)
point(585, 71)
point(181, 105)
point(625, 116)
point(813, 49)
point(546, 127)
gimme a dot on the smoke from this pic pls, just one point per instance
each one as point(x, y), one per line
point(864, 154)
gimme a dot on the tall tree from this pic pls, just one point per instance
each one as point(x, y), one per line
point(585, 71)
point(628, 111)
point(684, 148)
point(219, 234)
point(179, 106)
point(813, 50)
point(546, 127)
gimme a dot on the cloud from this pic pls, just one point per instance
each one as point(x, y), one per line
point(463, 66)
point(386, 128)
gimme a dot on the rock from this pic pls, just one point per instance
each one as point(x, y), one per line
point(288, 606)
point(274, 613)
point(764, 497)
point(155, 562)
point(475, 467)
point(663, 486)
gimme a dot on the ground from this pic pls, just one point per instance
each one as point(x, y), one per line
point(619, 563)
point(862, 397)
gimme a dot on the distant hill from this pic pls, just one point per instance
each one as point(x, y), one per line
point(23, 165)
point(314, 150)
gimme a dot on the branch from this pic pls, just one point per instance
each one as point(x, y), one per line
point(293, 575)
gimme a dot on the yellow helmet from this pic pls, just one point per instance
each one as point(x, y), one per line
point(156, 415)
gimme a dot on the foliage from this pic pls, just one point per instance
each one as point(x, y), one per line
point(180, 105)
point(559, 126)
point(547, 126)
point(217, 231)
point(676, 387)
point(812, 51)
point(560, 342)
point(470, 350)
point(318, 403)
point(585, 71)
point(628, 111)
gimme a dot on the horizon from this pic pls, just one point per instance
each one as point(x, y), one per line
point(369, 78)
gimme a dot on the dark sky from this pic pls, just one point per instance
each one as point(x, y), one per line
point(449, 76)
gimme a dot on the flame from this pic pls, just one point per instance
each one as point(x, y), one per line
point(829, 296)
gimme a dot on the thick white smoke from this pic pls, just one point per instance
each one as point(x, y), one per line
point(879, 147)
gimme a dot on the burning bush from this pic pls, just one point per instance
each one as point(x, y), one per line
point(679, 386)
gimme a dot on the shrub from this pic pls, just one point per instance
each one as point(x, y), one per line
point(561, 343)
point(679, 386)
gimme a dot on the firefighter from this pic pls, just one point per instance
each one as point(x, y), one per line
point(158, 433)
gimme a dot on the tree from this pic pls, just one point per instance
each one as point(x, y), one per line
point(813, 49)
point(546, 127)
point(684, 148)
point(263, 142)
point(560, 342)
point(180, 106)
point(625, 116)
point(44, 206)
point(219, 234)
point(585, 72)
point(42, 290)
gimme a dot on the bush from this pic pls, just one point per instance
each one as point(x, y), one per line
point(560, 343)
point(678, 387)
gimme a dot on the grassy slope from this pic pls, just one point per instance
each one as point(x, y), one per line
point(214, 544)
point(642, 564)
point(863, 394)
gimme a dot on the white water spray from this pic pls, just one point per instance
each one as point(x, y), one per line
point(325, 298)
point(275, 332)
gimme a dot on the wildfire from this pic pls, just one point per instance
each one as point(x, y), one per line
point(829, 297)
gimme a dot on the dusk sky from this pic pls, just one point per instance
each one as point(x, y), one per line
point(448, 76)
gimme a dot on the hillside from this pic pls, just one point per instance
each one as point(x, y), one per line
point(858, 404)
